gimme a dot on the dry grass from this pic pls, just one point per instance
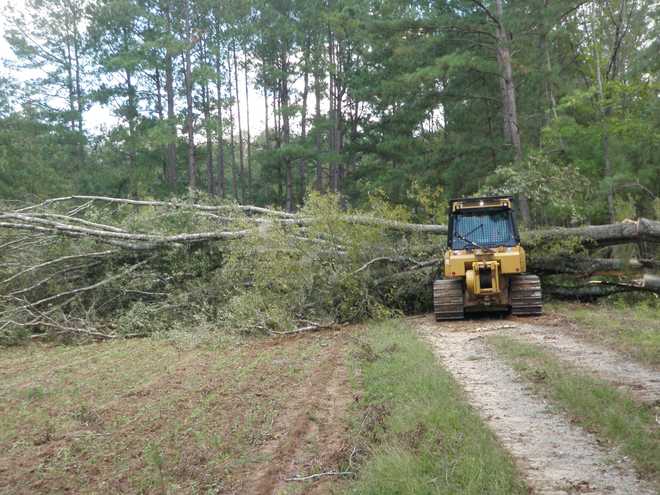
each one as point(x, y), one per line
point(147, 416)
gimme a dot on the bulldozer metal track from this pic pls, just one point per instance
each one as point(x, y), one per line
point(448, 301)
point(526, 295)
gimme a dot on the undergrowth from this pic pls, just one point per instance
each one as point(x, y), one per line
point(280, 276)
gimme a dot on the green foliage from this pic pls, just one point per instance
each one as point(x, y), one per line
point(278, 277)
point(558, 192)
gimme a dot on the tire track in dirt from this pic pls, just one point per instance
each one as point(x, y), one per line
point(316, 412)
point(555, 456)
point(642, 382)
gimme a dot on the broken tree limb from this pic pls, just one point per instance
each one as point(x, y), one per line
point(585, 265)
point(599, 235)
point(320, 475)
point(90, 287)
point(170, 204)
point(57, 260)
point(28, 222)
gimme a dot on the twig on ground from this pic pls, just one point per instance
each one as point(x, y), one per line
point(320, 475)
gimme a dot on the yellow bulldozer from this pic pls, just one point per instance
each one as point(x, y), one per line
point(484, 265)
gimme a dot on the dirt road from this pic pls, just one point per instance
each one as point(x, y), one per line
point(555, 456)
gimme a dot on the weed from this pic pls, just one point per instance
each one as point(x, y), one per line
point(153, 456)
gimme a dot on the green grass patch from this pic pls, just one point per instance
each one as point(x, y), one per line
point(419, 434)
point(634, 330)
point(596, 405)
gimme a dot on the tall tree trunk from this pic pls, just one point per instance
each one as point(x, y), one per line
point(247, 124)
point(171, 122)
point(79, 96)
point(303, 123)
point(130, 117)
point(192, 167)
point(69, 83)
point(277, 134)
point(78, 87)
point(509, 110)
point(604, 111)
point(286, 130)
point(266, 131)
point(232, 144)
point(160, 113)
point(331, 114)
point(221, 134)
point(317, 121)
point(171, 119)
point(241, 172)
point(210, 176)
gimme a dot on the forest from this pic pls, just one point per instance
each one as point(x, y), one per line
point(415, 102)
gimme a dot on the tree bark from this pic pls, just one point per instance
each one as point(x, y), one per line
point(286, 131)
point(171, 120)
point(192, 167)
point(586, 265)
point(247, 125)
point(221, 133)
point(509, 109)
point(317, 120)
point(606, 138)
point(210, 176)
point(599, 235)
point(241, 170)
point(303, 119)
point(232, 145)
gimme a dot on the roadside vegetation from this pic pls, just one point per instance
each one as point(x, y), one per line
point(417, 430)
point(630, 329)
point(613, 415)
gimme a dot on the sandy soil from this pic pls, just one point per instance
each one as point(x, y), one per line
point(554, 455)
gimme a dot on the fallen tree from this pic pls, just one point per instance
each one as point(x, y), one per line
point(104, 267)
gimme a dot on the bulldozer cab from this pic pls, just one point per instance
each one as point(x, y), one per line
point(482, 223)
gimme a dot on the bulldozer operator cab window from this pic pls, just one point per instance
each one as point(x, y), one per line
point(483, 230)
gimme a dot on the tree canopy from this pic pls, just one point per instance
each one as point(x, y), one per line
point(411, 101)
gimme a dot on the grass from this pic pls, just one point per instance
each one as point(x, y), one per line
point(634, 330)
point(148, 416)
point(420, 434)
point(613, 415)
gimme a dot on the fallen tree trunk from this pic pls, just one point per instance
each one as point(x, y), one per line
point(599, 235)
point(69, 225)
point(585, 265)
point(602, 288)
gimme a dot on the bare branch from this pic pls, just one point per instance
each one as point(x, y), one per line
point(320, 475)
point(99, 254)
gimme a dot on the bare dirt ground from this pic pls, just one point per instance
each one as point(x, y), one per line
point(554, 455)
point(150, 417)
